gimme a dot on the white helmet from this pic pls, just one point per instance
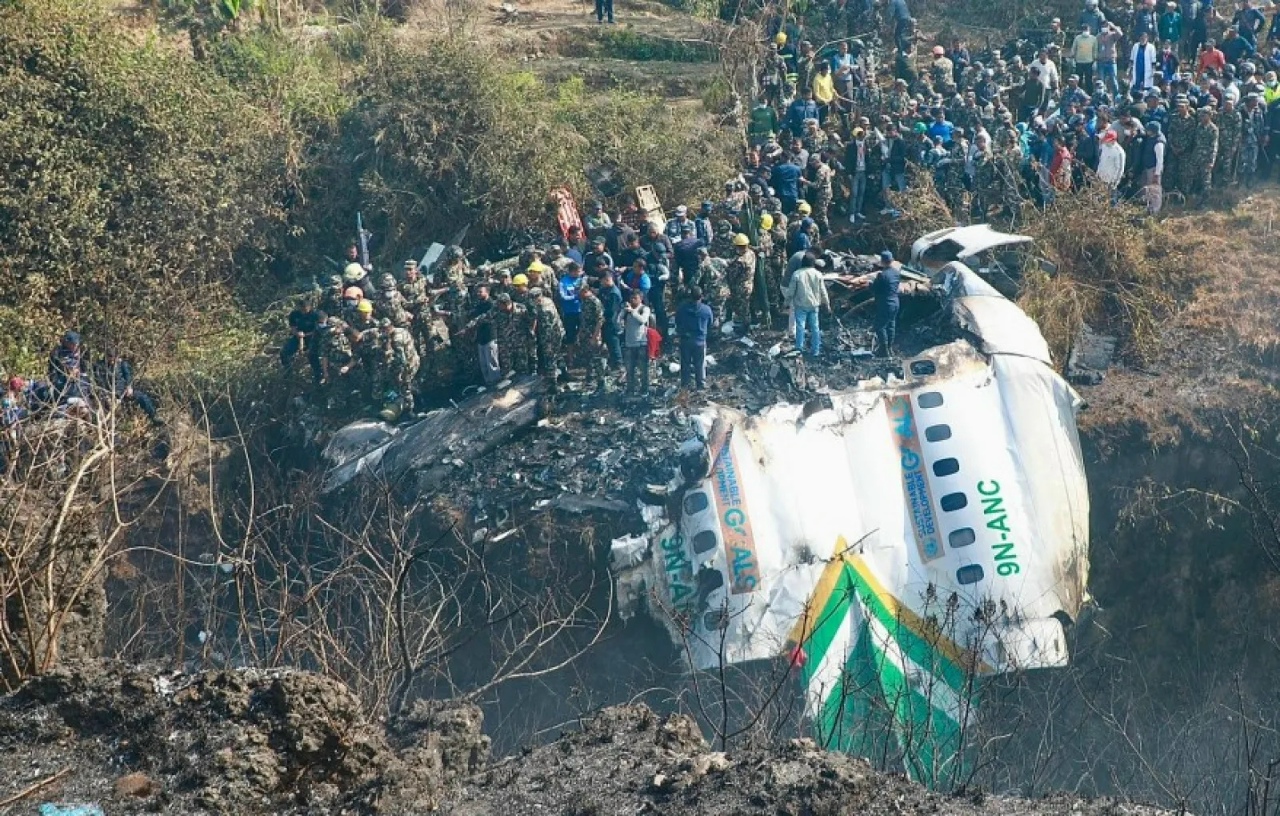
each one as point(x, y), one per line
point(1090, 3)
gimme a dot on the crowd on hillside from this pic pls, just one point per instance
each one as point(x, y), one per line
point(1146, 99)
point(1140, 99)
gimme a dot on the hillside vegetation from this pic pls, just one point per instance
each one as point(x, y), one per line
point(164, 190)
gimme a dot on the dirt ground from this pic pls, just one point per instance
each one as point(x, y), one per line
point(246, 742)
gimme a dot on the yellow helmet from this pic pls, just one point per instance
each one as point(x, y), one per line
point(780, 38)
point(804, 208)
point(364, 307)
point(766, 222)
point(520, 280)
point(537, 266)
point(741, 240)
point(353, 272)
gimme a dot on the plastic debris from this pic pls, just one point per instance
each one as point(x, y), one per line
point(51, 809)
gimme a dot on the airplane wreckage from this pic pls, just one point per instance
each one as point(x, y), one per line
point(900, 541)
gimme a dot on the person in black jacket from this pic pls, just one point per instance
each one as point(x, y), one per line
point(113, 375)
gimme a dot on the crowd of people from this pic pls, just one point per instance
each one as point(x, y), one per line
point(1144, 99)
point(72, 387)
point(1139, 100)
point(612, 297)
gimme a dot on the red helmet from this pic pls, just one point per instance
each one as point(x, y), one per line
point(17, 383)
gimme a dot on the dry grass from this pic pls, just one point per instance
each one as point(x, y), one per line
point(1117, 270)
point(1216, 351)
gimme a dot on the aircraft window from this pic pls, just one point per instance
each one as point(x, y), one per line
point(954, 501)
point(929, 399)
point(946, 467)
point(695, 502)
point(962, 537)
point(704, 541)
point(937, 433)
point(970, 574)
point(923, 368)
point(709, 580)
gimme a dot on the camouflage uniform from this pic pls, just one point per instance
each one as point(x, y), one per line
point(590, 335)
point(985, 183)
point(514, 332)
point(335, 347)
point(363, 335)
point(722, 244)
point(1204, 152)
point(454, 268)
point(1180, 140)
point(764, 258)
point(391, 304)
point(741, 278)
point(1229, 127)
point(822, 178)
point(953, 178)
point(331, 301)
point(549, 338)
point(400, 356)
point(710, 279)
point(1253, 129)
point(416, 295)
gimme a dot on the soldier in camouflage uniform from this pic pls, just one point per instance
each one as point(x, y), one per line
point(764, 260)
point(591, 337)
point(335, 348)
point(390, 303)
point(1229, 126)
point(985, 179)
point(331, 301)
point(400, 361)
point(1253, 128)
point(953, 175)
point(722, 245)
point(710, 279)
point(453, 267)
point(362, 333)
point(1204, 152)
point(548, 332)
point(818, 181)
point(417, 297)
point(1006, 154)
point(741, 278)
point(899, 99)
point(513, 330)
point(1179, 142)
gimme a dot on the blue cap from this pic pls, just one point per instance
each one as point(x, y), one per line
point(886, 257)
point(71, 338)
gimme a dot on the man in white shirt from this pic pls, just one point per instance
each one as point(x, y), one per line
point(1048, 70)
point(1111, 162)
point(1142, 64)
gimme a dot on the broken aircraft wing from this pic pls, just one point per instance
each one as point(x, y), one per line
point(436, 445)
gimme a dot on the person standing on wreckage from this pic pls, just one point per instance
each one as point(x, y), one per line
point(884, 287)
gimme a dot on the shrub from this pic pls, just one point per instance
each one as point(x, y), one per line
point(135, 183)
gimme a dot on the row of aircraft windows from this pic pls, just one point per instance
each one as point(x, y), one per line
point(963, 536)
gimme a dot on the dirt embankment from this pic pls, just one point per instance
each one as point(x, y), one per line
point(252, 742)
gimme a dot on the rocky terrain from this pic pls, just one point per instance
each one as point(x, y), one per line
point(134, 740)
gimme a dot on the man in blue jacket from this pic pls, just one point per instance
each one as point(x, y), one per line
point(693, 321)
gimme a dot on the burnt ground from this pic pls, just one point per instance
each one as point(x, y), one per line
point(135, 740)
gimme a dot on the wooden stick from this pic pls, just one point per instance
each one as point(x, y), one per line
point(20, 795)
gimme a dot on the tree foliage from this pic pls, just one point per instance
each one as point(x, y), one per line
point(135, 184)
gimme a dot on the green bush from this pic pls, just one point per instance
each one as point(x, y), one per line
point(135, 183)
